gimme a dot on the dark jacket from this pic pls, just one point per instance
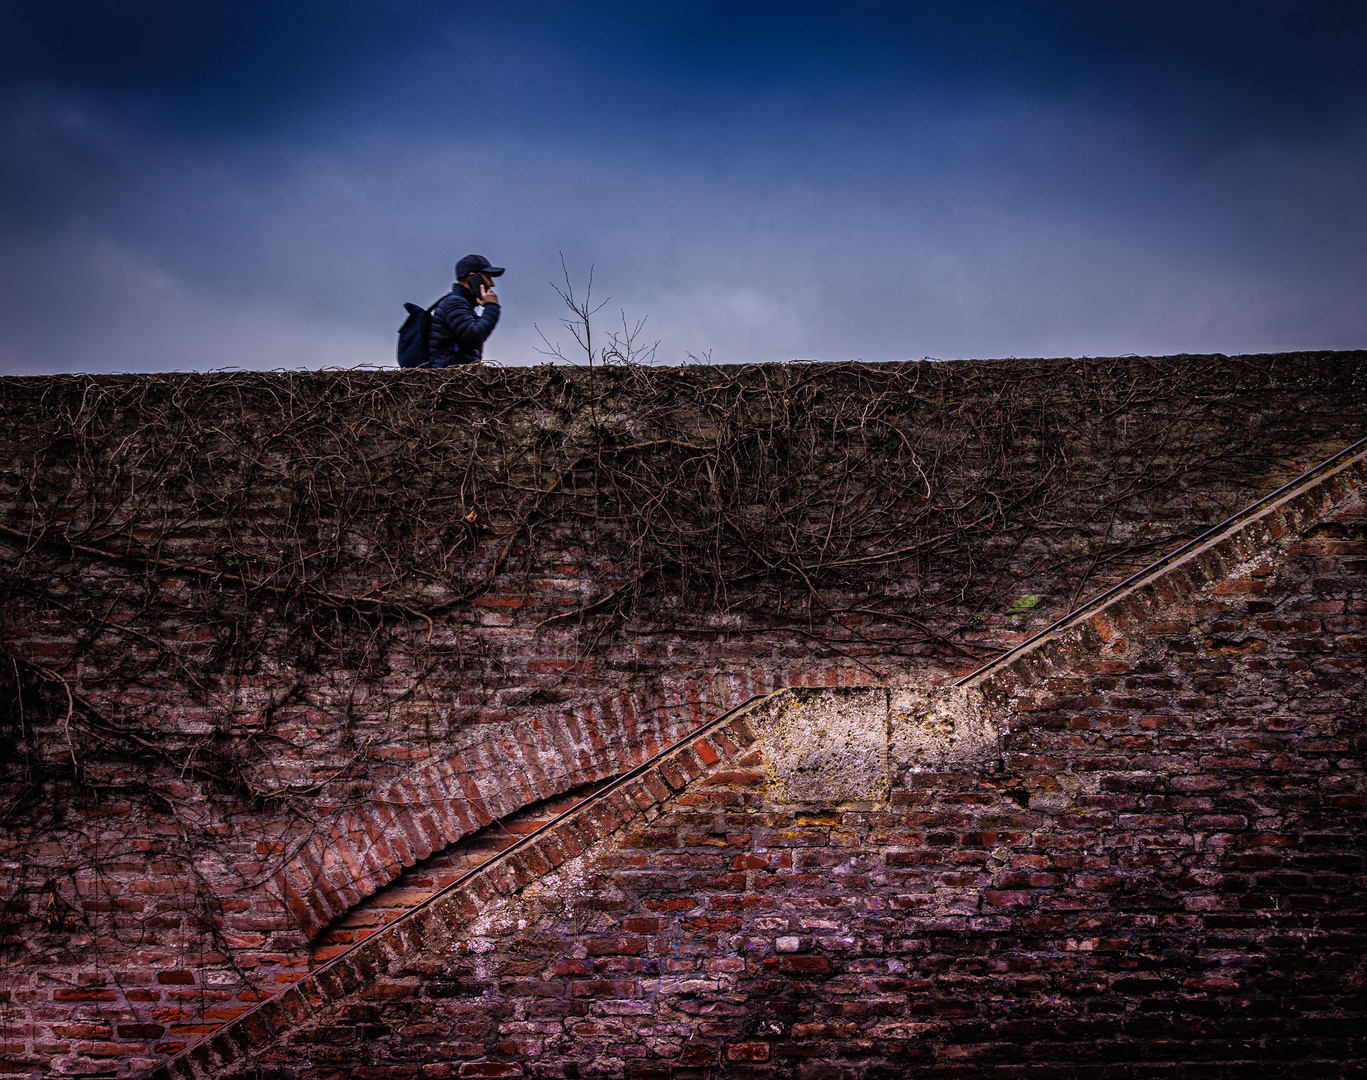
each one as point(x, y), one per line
point(457, 332)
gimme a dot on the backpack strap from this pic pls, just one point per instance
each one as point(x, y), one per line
point(438, 300)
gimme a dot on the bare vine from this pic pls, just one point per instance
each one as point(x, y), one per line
point(190, 564)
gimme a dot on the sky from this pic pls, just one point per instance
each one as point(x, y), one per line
point(196, 186)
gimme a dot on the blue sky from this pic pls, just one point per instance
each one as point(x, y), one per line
point(187, 186)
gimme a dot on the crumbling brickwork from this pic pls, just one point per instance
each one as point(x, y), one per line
point(1160, 873)
point(276, 647)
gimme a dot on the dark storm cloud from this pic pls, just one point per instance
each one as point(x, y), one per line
point(767, 181)
point(1259, 66)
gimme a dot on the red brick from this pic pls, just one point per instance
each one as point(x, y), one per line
point(747, 1051)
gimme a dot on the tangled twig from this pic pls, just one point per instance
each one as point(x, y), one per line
point(240, 541)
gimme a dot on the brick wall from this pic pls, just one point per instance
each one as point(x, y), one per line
point(1161, 874)
point(146, 903)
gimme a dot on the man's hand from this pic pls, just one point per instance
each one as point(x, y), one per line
point(487, 295)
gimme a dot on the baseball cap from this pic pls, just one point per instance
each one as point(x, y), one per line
point(472, 264)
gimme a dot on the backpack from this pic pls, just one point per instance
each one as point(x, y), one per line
point(415, 336)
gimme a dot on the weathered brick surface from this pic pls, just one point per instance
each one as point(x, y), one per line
point(165, 910)
point(1163, 875)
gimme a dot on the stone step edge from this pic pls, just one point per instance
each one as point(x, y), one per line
point(1277, 510)
point(606, 811)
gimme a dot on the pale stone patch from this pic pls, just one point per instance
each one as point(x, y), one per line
point(856, 744)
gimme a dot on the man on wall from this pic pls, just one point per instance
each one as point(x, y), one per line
point(458, 333)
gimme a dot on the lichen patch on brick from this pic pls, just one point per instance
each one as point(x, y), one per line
point(826, 746)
